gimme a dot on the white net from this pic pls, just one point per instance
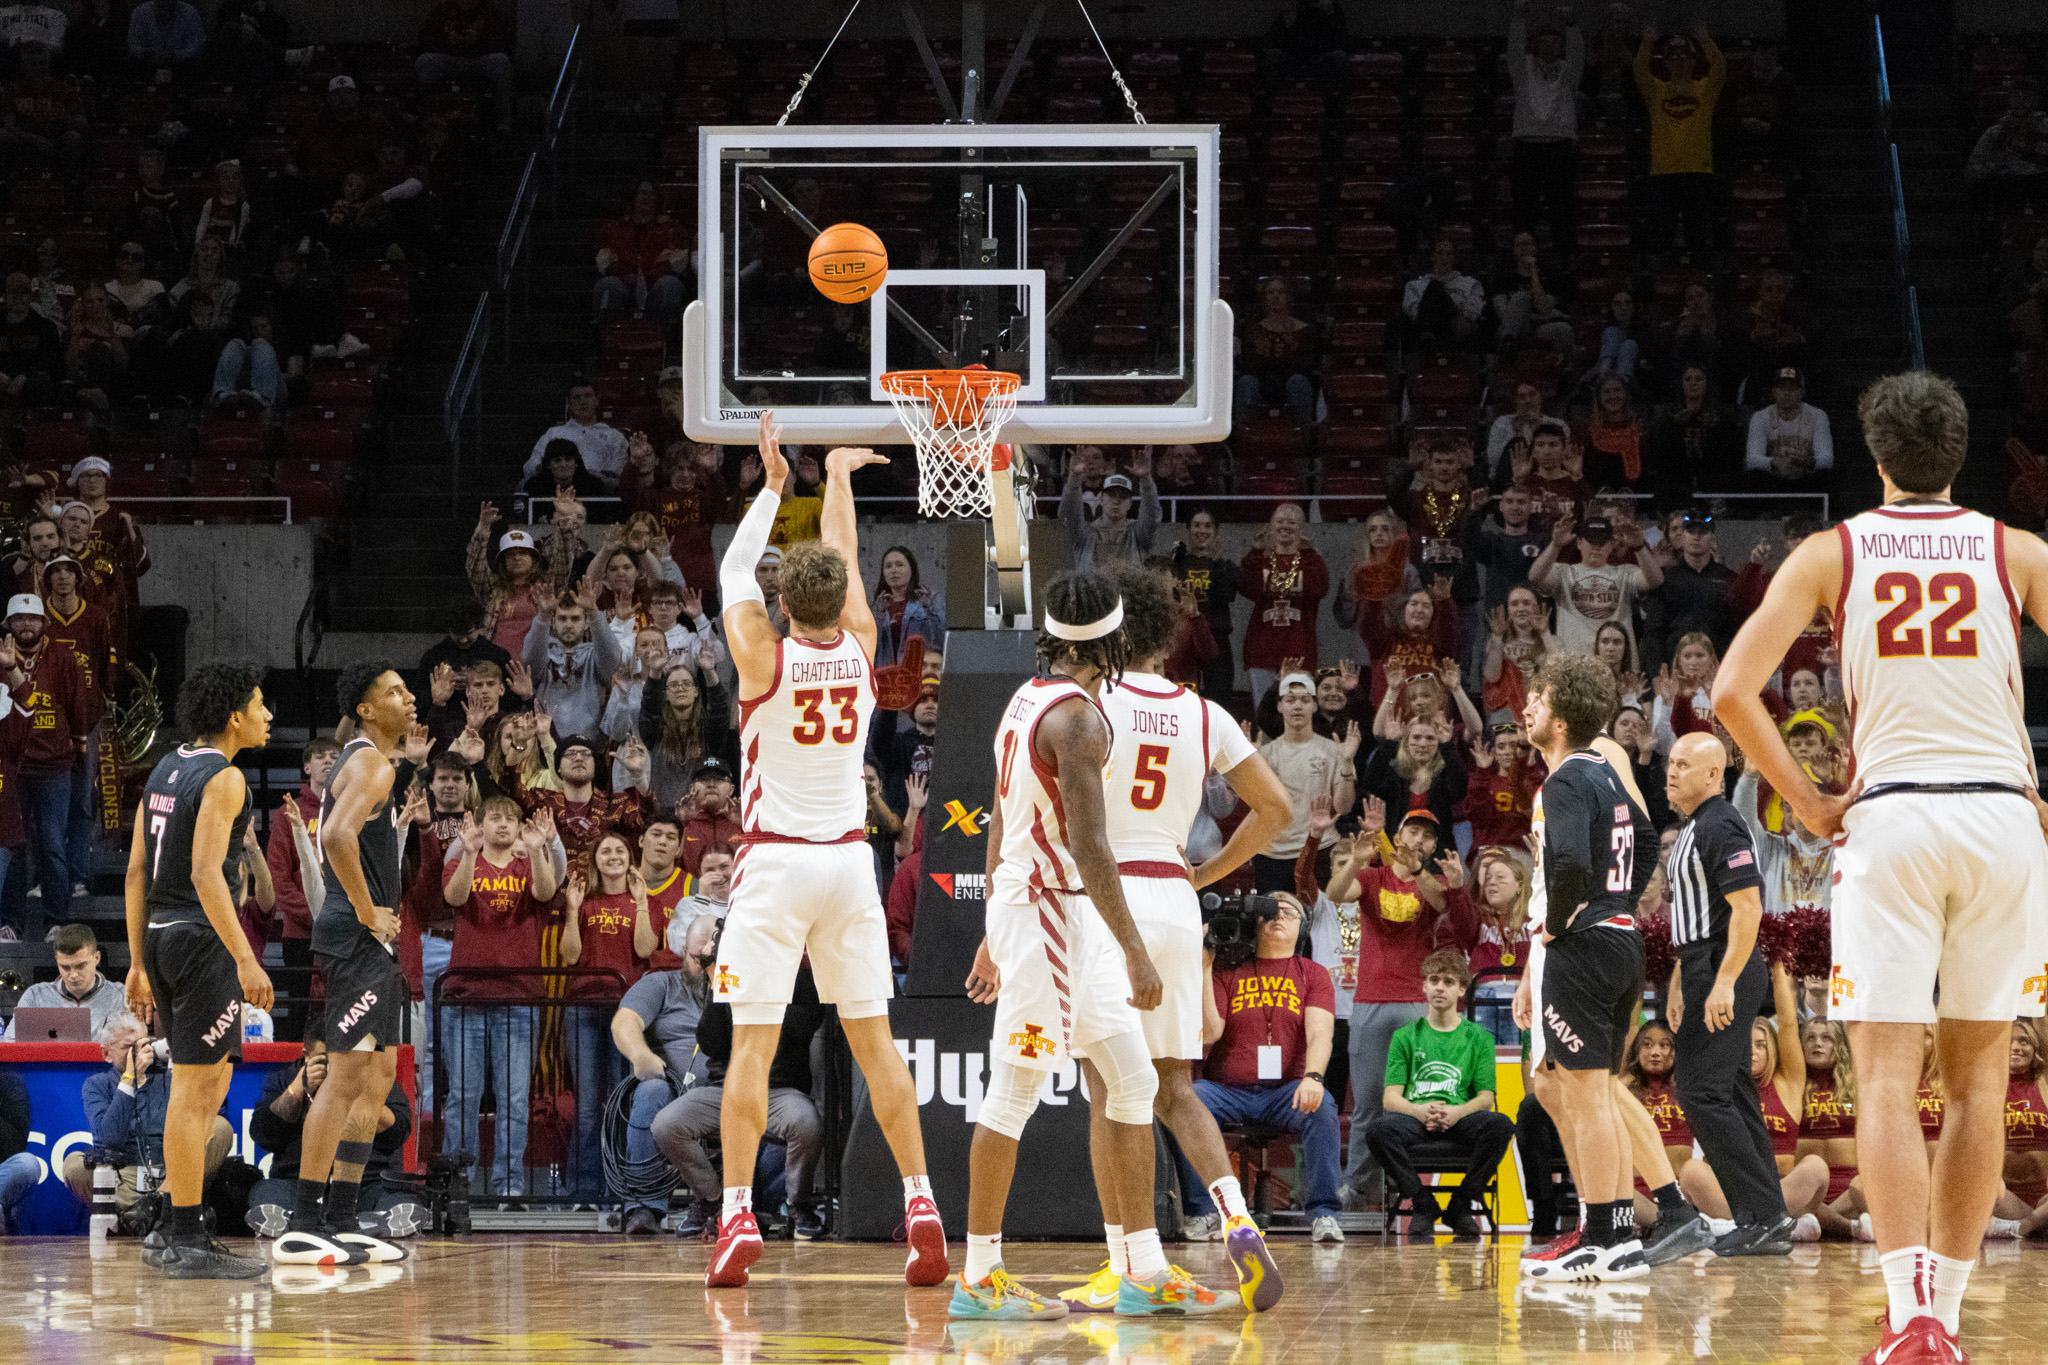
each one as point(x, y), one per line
point(953, 417)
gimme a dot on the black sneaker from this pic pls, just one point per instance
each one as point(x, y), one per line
point(209, 1260)
point(808, 1225)
point(695, 1218)
point(156, 1247)
point(1422, 1217)
point(1757, 1239)
point(1464, 1221)
point(1677, 1233)
point(643, 1222)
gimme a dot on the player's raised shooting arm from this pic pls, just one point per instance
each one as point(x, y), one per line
point(838, 528)
point(225, 794)
point(1259, 787)
point(1077, 743)
point(359, 787)
point(1811, 578)
point(748, 631)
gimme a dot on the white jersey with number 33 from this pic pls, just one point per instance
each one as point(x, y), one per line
point(802, 743)
point(1928, 626)
point(1167, 742)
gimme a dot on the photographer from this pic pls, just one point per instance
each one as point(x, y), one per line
point(1440, 1088)
point(278, 1123)
point(1268, 1021)
point(125, 1105)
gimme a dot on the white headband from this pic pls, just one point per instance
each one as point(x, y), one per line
point(1094, 630)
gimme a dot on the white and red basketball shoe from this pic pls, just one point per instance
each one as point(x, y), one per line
point(927, 1238)
point(739, 1246)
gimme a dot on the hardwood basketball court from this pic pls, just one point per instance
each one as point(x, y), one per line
point(585, 1300)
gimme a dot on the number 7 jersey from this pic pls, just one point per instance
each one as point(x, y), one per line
point(1928, 627)
point(802, 743)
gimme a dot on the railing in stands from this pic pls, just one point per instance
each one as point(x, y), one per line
point(519, 217)
point(462, 404)
point(215, 501)
point(561, 107)
point(1895, 188)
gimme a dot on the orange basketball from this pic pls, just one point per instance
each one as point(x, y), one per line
point(848, 263)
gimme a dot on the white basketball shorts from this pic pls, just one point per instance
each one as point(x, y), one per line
point(787, 898)
point(1168, 914)
point(1064, 984)
point(1939, 888)
point(1534, 975)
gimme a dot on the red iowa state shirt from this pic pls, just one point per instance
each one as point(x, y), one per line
point(1262, 1003)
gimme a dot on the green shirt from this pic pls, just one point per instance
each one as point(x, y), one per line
point(1435, 1064)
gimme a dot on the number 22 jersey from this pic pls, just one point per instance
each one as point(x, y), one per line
point(1928, 627)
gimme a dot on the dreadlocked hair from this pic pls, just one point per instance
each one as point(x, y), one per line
point(1151, 611)
point(1076, 599)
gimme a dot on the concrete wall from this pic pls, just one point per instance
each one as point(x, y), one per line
point(243, 585)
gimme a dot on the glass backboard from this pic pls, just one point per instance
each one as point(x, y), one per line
point(1080, 257)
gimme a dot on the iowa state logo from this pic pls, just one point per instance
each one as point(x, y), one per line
point(1032, 1042)
point(727, 982)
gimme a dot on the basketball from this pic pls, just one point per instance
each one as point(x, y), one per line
point(848, 263)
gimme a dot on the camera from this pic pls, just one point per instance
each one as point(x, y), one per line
point(1231, 924)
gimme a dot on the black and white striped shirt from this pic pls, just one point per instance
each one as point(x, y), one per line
point(1711, 857)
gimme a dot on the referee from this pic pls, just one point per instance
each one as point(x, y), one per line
point(1717, 987)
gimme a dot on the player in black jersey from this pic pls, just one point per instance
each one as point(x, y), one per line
point(354, 944)
point(1596, 849)
point(188, 956)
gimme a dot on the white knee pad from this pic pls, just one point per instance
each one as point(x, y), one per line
point(1012, 1096)
point(1125, 1065)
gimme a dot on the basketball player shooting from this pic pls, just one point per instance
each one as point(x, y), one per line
point(804, 878)
point(190, 959)
point(1166, 743)
point(354, 942)
point(1940, 858)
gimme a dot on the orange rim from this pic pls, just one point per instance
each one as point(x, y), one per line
point(956, 396)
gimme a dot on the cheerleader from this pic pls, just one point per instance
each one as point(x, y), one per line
point(1827, 1123)
point(2022, 1205)
point(1647, 1076)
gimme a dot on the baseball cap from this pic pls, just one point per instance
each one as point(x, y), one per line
point(711, 769)
point(91, 464)
point(1119, 482)
point(1598, 531)
point(515, 540)
point(342, 83)
point(1789, 375)
point(574, 742)
point(1301, 680)
point(673, 374)
point(1423, 813)
point(25, 604)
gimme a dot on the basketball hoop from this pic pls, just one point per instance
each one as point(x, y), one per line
point(954, 417)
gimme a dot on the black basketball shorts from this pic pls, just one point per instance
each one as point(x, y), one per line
point(1592, 987)
point(198, 995)
point(366, 997)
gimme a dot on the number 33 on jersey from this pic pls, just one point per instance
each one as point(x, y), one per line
point(802, 742)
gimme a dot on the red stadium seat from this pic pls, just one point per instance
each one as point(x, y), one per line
point(343, 384)
point(234, 436)
point(1354, 383)
point(152, 476)
point(57, 438)
point(316, 487)
point(1443, 384)
point(322, 435)
point(38, 196)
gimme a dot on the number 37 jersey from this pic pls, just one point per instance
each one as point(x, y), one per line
point(1928, 627)
point(802, 743)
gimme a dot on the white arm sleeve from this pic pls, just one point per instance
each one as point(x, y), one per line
point(736, 572)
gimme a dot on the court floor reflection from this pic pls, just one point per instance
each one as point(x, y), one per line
point(584, 1300)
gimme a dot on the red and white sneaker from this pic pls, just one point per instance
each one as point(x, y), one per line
point(739, 1246)
point(1548, 1252)
point(927, 1238)
point(1924, 1342)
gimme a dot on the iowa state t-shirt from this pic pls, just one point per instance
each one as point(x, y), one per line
point(1261, 1004)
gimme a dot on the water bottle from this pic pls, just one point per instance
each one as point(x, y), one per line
point(104, 1179)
